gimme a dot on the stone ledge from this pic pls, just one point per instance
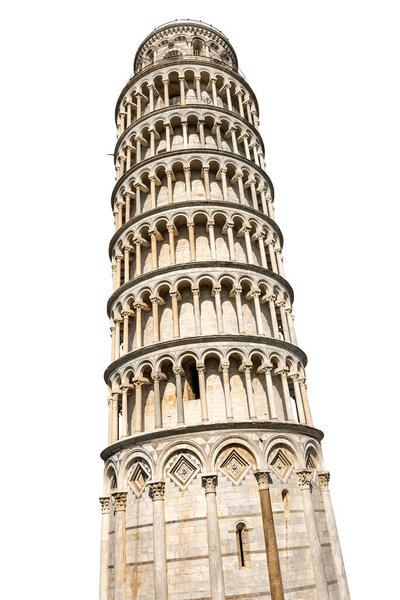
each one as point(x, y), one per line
point(205, 339)
point(199, 265)
point(137, 440)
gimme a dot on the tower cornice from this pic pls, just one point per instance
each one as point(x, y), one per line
point(236, 426)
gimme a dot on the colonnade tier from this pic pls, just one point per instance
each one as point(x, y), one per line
point(193, 303)
point(206, 379)
point(184, 83)
point(178, 129)
point(199, 175)
point(184, 239)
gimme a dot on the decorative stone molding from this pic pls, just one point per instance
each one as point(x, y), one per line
point(157, 490)
point(305, 478)
point(324, 477)
point(105, 504)
point(210, 483)
point(262, 478)
point(120, 500)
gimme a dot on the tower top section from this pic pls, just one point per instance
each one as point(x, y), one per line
point(185, 38)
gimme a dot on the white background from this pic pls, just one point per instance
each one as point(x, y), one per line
point(326, 75)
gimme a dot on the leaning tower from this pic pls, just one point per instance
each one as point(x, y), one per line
point(214, 484)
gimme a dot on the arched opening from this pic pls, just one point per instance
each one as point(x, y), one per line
point(198, 45)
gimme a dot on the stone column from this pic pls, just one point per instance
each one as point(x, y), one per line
point(290, 319)
point(207, 182)
point(185, 135)
point(138, 105)
point(249, 250)
point(168, 173)
point(231, 244)
point(298, 398)
point(271, 210)
point(125, 337)
point(317, 561)
point(153, 191)
point(239, 94)
point(153, 240)
point(201, 133)
point(239, 312)
point(281, 306)
point(196, 310)
point(254, 195)
point(120, 543)
point(118, 273)
point(175, 317)
point(138, 406)
point(217, 585)
point(151, 97)
point(124, 428)
point(286, 396)
point(211, 235)
point(137, 200)
point(152, 142)
point(228, 97)
point(263, 201)
point(171, 242)
point(168, 137)
point(117, 337)
point(203, 393)
point(126, 263)
point(242, 198)
point(249, 390)
point(324, 477)
point(271, 304)
point(166, 92)
point(279, 262)
point(224, 184)
point(182, 89)
point(104, 547)
point(271, 546)
point(138, 308)
point(192, 245)
point(270, 393)
point(198, 90)
point(307, 411)
point(156, 328)
point(256, 299)
point(138, 258)
point(157, 492)
point(262, 250)
point(218, 132)
point(179, 398)
point(110, 420)
point(115, 417)
point(227, 391)
point(214, 91)
point(218, 308)
point(157, 401)
point(234, 141)
point(272, 256)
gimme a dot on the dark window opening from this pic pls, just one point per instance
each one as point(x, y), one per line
point(194, 381)
point(240, 533)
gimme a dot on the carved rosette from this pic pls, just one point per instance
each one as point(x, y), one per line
point(305, 477)
point(262, 479)
point(210, 483)
point(105, 504)
point(120, 500)
point(324, 477)
point(157, 490)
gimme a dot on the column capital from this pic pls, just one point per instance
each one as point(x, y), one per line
point(225, 366)
point(126, 313)
point(157, 490)
point(217, 289)
point(305, 476)
point(324, 477)
point(262, 479)
point(178, 371)
point(105, 504)
point(195, 291)
point(210, 482)
point(120, 500)
point(156, 377)
point(154, 299)
point(238, 289)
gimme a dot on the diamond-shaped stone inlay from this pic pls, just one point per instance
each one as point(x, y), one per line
point(281, 464)
point(235, 466)
point(183, 471)
point(138, 479)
